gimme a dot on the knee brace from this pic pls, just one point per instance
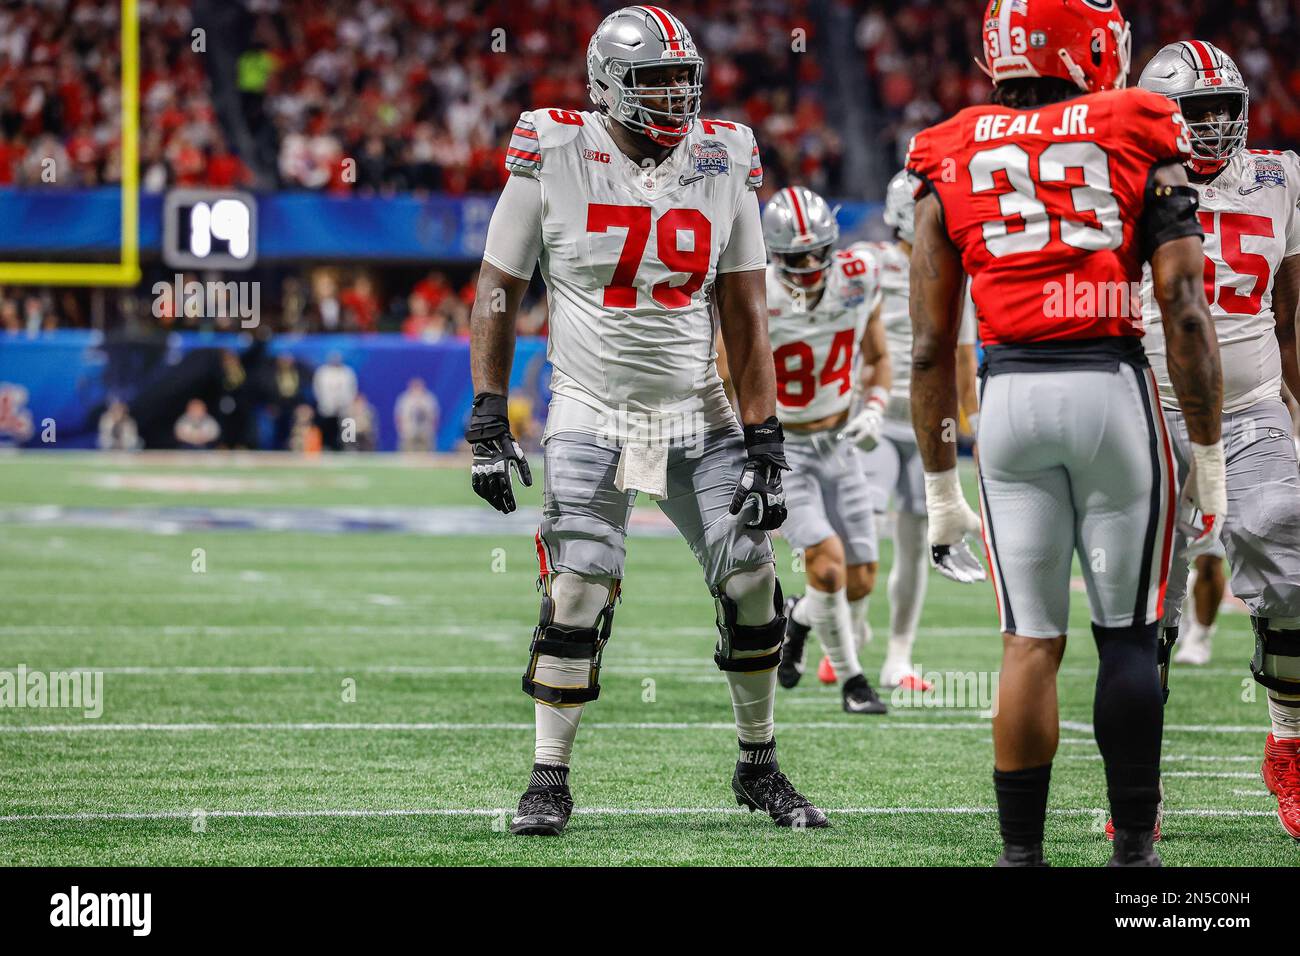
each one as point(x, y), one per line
point(1276, 661)
point(571, 643)
point(739, 645)
point(1168, 638)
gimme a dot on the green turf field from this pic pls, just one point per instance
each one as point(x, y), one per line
point(230, 735)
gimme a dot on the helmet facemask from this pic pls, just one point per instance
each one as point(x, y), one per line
point(664, 113)
point(805, 268)
point(1215, 141)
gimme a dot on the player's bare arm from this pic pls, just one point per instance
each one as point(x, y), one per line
point(875, 355)
point(492, 349)
point(741, 299)
point(492, 328)
point(936, 301)
point(864, 428)
point(937, 283)
point(1178, 269)
point(1286, 306)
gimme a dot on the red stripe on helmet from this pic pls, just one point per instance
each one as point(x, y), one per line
point(666, 25)
point(798, 211)
point(1207, 61)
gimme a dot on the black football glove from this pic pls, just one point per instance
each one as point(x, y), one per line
point(760, 481)
point(495, 452)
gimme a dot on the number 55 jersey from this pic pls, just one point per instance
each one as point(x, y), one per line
point(1045, 206)
point(629, 255)
point(1251, 223)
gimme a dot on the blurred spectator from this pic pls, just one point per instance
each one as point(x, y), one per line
point(421, 322)
point(335, 388)
point(305, 437)
point(196, 428)
point(117, 431)
point(286, 393)
point(432, 290)
point(416, 414)
point(234, 404)
point(360, 431)
point(360, 305)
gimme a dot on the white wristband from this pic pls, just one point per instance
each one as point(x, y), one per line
point(943, 488)
point(878, 395)
point(1211, 478)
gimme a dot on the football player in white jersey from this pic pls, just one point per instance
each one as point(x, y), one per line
point(819, 303)
point(1248, 209)
point(644, 219)
point(894, 466)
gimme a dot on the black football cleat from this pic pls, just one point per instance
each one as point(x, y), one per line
point(1135, 848)
point(1029, 854)
point(543, 811)
point(790, 669)
point(861, 698)
point(775, 795)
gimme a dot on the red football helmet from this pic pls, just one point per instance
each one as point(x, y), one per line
point(1086, 42)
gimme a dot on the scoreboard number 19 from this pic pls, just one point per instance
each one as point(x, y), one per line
point(209, 229)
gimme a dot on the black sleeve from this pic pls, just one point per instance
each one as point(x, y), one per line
point(1168, 213)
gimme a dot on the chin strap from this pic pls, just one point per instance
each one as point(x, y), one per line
point(1206, 167)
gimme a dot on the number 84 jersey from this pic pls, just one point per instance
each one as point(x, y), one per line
point(629, 255)
point(1045, 205)
point(815, 341)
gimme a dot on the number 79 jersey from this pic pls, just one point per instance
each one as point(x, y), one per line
point(1045, 204)
point(816, 348)
point(629, 255)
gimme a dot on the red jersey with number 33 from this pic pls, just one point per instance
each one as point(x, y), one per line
point(1044, 205)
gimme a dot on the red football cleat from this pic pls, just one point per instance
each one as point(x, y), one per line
point(1110, 830)
point(1281, 773)
point(916, 683)
point(826, 673)
point(1160, 815)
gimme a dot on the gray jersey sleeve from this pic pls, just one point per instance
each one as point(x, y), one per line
point(514, 239)
point(745, 250)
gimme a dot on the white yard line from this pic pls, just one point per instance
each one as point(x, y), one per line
point(1177, 758)
point(1210, 774)
point(939, 723)
point(628, 667)
point(93, 727)
point(580, 811)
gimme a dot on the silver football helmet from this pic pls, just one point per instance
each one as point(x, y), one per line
point(900, 205)
point(800, 231)
point(1194, 70)
point(633, 40)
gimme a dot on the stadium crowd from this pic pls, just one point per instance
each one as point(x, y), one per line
point(919, 59)
point(420, 94)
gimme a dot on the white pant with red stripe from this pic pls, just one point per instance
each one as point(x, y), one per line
point(1075, 461)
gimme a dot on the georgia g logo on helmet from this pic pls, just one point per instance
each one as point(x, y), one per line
point(644, 72)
